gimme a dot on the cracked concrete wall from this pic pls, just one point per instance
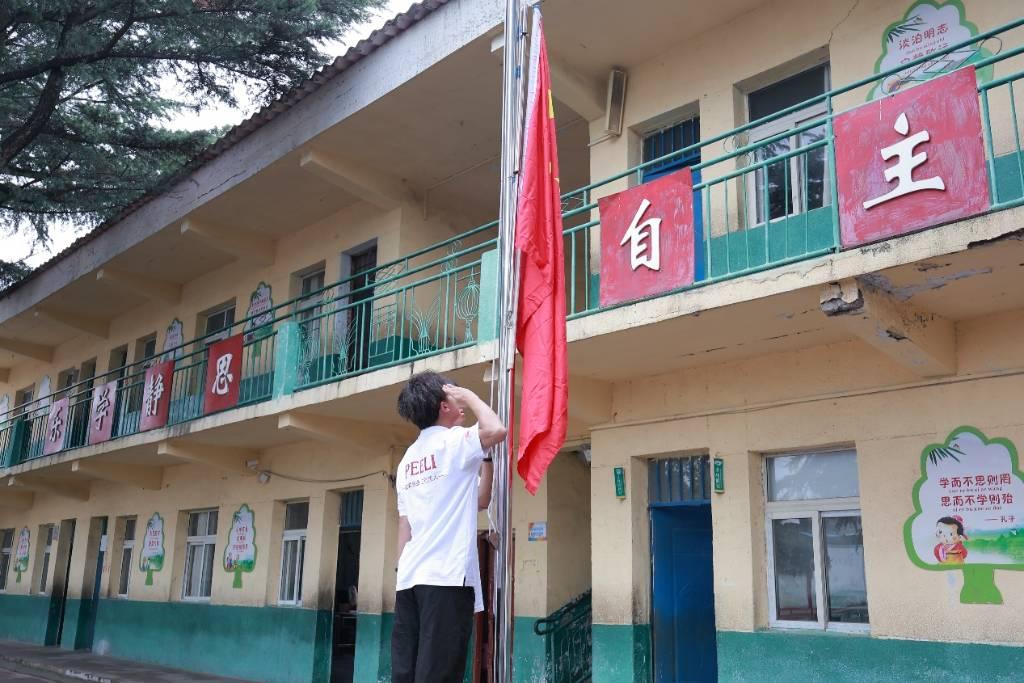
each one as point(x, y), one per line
point(842, 394)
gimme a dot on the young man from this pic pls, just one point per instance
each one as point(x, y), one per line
point(442, 482)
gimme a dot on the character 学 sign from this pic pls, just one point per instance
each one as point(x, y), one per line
point(969, 515)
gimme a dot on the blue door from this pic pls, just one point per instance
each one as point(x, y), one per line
point(683, 619)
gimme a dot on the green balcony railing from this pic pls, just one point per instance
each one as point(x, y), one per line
point(761, 201)
point(770, 202)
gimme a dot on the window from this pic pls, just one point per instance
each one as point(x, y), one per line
point(672, 139)
point(293, 552)
point(65, 380)
point(22, 398)
point(145, 350)
point(6, 543)
point(309, 283)
point(815, 542)
point(49, 533)
point(798, 183)
point(127, 550)
point(118, 361)
point(217, 323)
point(200, 551)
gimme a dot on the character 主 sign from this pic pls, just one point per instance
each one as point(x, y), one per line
point(911, 161)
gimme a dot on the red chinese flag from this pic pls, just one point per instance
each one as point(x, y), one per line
point(540, 330)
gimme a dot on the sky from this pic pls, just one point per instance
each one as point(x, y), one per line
point(19, 246)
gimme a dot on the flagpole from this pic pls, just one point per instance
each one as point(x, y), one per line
point(508, 278)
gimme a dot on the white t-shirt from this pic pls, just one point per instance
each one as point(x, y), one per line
point(438, 484)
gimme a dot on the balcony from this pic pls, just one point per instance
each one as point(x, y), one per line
point(758, 206)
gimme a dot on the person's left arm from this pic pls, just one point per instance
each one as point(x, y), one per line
point(486, 484)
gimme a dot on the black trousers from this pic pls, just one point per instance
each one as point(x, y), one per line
point(431, 635)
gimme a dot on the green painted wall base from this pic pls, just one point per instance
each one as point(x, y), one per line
point(528, 652)
point(840, 657)
point(373, 647)
point(278, 645)
point(373, 650)
point(24, 617)
point(622, 653)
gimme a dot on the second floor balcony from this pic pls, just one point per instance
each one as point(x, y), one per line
point(765, 195)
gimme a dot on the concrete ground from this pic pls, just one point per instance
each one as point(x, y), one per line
point(32, 663)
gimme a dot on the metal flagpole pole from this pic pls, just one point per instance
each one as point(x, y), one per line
point(508, 278)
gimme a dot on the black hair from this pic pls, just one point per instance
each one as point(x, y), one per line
point(420, 400)
point(953, 521)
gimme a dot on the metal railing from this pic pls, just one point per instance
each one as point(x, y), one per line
point(424, 303)
point(567, 641)
point(760, 201)
point(771, 200)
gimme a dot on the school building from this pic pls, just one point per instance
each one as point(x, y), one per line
point(793, 252)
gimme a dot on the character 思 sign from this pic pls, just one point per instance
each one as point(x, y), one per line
point(223, 375)
point(647, 242)
point(911, 161)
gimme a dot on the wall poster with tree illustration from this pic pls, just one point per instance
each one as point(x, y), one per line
point(969, 512)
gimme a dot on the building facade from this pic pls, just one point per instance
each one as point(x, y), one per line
point(793, 256)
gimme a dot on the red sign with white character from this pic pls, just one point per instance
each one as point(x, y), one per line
point(223, 375)
point(156, 396)
point(56, 426)
point(647, 239)
point(101, 415)
point(911, 161)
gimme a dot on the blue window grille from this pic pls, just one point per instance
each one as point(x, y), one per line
point(669, 140)
point(675, 481)
point(352, 510)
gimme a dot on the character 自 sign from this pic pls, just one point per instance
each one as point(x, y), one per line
point(647, 239)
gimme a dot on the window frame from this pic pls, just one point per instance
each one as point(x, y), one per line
point(814, 509)
point(6, 553)
point(221, 333)
point(127, 544)
point(298, 536)
point(45, 579)
point(22, 397)
point(779, 125)
point(199, 541)
point(147, 360)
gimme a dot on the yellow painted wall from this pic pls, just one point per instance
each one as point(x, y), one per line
point(193, 487)
point(325, 241)
point(568, 530)
point(710, 76)
point(840, 394)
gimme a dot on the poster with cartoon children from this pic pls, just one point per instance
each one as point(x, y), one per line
point(969, 512)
